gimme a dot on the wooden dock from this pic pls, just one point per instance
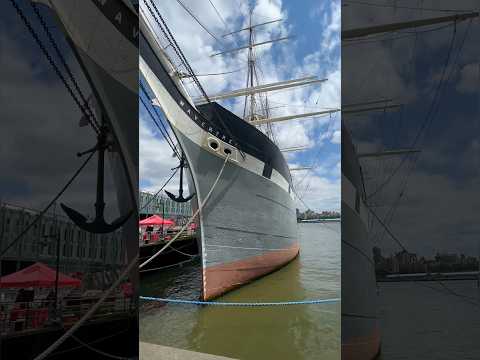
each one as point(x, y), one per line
point(150, 351)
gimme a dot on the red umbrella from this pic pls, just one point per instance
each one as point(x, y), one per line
point(37, 275)
point(156, 220)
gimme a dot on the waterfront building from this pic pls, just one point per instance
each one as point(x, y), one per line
point(80, 251)
point(163, 206)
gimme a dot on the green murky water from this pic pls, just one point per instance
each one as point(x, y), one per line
point(293, 332)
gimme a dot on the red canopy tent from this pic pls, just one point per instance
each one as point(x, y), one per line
point(156, 220)
point(37, 275)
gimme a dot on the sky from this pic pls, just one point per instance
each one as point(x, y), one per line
point(438, 207)
point(314, 50)
point(39, 131)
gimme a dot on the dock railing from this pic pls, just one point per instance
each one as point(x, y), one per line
point(21, 317)
point(154, 237)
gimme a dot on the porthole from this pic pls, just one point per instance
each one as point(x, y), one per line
point(213, 144)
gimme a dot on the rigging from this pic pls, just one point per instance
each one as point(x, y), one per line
point(83, 108)
point(190, 12)
point(161, 127)
point(218, 13)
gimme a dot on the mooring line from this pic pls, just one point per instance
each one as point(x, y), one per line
point(90, 311)
point(170, 266)
point(200, 207)
point(246, 304)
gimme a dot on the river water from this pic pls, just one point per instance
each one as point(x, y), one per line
point(430, 320)
point(292, 332)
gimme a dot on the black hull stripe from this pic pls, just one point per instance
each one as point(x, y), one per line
point(123, 18)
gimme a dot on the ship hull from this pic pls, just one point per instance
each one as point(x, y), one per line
point(248, 225)
point(360, 326)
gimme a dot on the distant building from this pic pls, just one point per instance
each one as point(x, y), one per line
point(404, 262)
point(447, 259)
point(164, 206)
point(309, 215)
point(80, 251)
point(406, 258)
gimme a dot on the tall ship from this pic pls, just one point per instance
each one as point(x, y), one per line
point(248, 226)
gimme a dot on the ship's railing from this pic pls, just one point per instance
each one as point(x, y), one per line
point(19, 317)
point(151, 237)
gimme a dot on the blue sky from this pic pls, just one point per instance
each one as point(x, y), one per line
point(314, 50)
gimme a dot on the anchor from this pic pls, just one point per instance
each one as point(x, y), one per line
point(180, 197)
point(98, 225)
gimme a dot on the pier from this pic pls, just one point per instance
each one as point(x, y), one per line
point(150, 351)
point(464, 275)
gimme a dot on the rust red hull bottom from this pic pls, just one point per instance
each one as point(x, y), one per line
point(222, 278)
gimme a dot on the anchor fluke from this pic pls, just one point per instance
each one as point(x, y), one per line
point(98, 225)
point(180, 197)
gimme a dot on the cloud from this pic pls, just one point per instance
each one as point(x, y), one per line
point(468, 80)
point(155, 159)
point(336, 137)
point(276, 62)
point(39, 130)
point(435, 209)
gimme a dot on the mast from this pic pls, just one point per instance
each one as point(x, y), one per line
point(251, 62)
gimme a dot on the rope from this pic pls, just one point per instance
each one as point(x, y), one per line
point(191, 219)
point(170, 266)
point(90, 312)
point(429, 118)
point(219, 15)
point(91, 348)
point(91, 119)
point(183, 253)
point(190, 12)
point(158, 192)
point(246, 304)
point(164, 132)
point(39, 216)
point(52, 63)
point(168, 35)
point(90, 343)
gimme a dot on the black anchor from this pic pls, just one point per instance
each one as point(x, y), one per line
point(180, 197)
point(98, 225)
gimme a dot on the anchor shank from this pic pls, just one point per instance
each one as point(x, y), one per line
point(100, 204)
point(98, 225)
point(180, 191)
